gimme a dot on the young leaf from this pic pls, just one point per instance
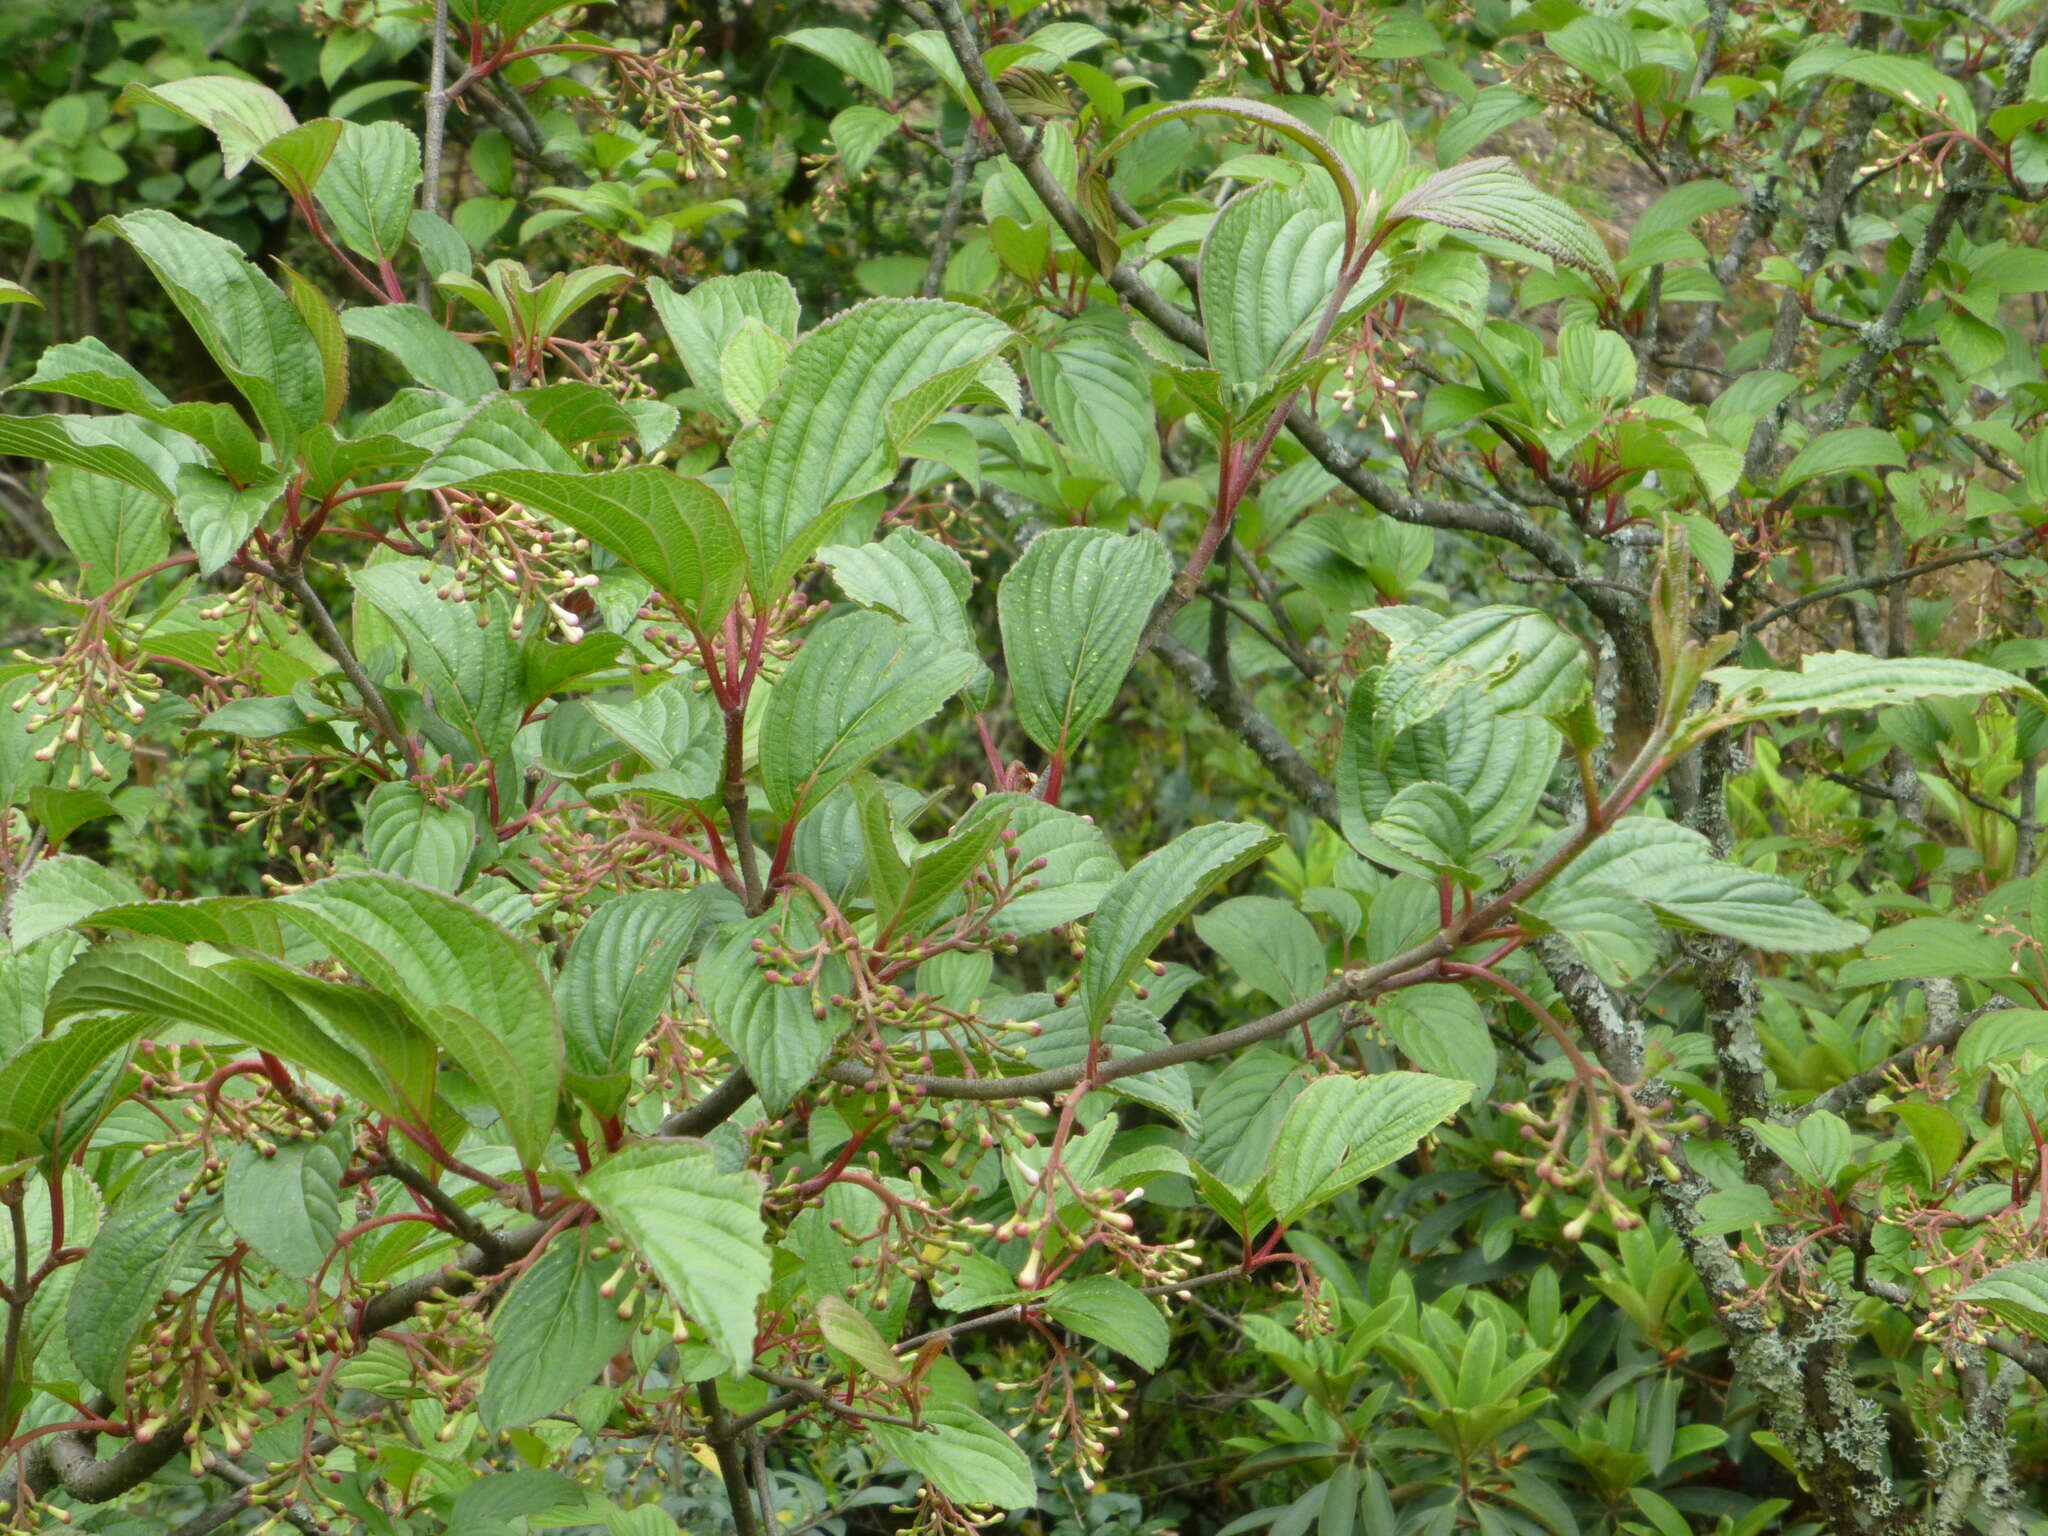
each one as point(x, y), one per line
point(243, 115)
point(847, 1330)
point(698, 1229)
point(1269, 266)
point(1072, 611)
point(1157, 892)
point(429, 354)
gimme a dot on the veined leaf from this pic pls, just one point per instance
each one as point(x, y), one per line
point(858, 684)
point(1516, 657)
point(1269, 266)
point(243, 115)
point(154, 978)
point(471, 671)
point(40, 1078)
point(1498, 763)
point(242, 319)
point(1832, 681)
point(429, 354)
point(618, 977)
point(780, 1033)
point(1863, 449)
point(1490, 197)
point(553, 1332)
point(287, 1206)
point(837, 420)
point(88, 369)
point(460, 977)
point(1116, 1313)
point(1096, 391)
point(368, 188)
point(2016, 1294)
point(701, 320)
point(853, 53)
point(1154, 894)
point(1268, 943)
point(1072, 612)
point(1345, 1128)
point(964, 1456)
point(674, 531)
point(698, 1229)
point(55, 893)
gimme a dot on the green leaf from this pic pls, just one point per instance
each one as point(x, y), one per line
point(856, 390)
point(113, 529)
point(1865, 449)
point(912, 576)
point(1344, 1128)
point(1072, 612)
point(1096, 391)
point(287, 1206)
point(1440, 1029)
point(1268, 943)
point(702, 320)
point(1904, 77)
point(619, 976)
point(138, 1254)
point(465, 981)
point(39, 1079)
point(243, 115)
point(55, 893)
point(407, 835)
point(428, 353)
point(368, 189)
point(217, 515)
point(88, 369)
point(155, 978)
point(94, 444)
point(1498, 764)
point(245, 323)
point(471, 672)
point(2016, 1294)
point(858, 132)
point(553, 1332)
point(673, 531)
point(1490, 197)
point(1115, 1313)
point(1833, 681)
point(471, 443)
point(1133, 1030)
point(964, 1456)
point(858, 684)
point(1517, 658)
point(847, 1330)
point(699, 1230)
point(781, 1033)
point(853, 53)
point(1930, 946)
point(1157, 892)
point(1269, 266)
point(1673, 869)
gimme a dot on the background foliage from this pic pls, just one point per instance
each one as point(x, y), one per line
point(1435, 656)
